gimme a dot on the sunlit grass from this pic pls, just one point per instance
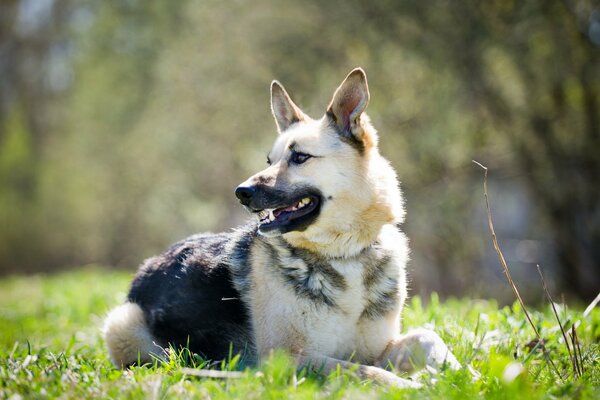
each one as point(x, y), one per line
point(50, 346)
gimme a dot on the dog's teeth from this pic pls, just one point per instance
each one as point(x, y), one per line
point(266, 216)
point(263, 215)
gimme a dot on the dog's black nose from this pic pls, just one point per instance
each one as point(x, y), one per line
point(245, 193)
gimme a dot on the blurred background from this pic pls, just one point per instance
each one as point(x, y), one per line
point(126, 125)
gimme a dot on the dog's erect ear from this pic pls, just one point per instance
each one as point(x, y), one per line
point(284, 110)
point(349, 102)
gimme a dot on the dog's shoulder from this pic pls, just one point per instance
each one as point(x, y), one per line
point(384, 273)
point(193, 261)
point(188, 297)
point(200, 253)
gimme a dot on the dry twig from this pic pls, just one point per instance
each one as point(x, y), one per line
point(572, 356)
point(507, 272)
point(577, 349)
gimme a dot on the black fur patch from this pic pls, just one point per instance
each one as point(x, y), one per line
point(382, 303)
point(310, 275)
point(189, 300)
point(382, 290)
point(322, 265)
point(374, 266)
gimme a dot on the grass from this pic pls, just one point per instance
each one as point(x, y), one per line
point(50, 346)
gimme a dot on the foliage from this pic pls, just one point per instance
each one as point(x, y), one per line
point(125, 125)
point(50, 346)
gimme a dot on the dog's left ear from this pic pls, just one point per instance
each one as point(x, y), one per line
point(284, 110)
point(348, 103)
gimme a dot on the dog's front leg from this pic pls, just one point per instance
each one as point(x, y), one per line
point(326, 365)
point(418, 349)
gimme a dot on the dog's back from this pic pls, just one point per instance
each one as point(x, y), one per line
point(183, 298)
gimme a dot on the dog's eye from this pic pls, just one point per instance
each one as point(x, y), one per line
point(299, 158)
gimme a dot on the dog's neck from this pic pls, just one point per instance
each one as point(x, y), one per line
point(343, 241)
point(331, 245)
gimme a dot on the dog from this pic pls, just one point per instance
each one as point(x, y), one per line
point(319, 272)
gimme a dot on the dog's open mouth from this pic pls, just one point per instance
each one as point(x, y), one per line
point(293, 217)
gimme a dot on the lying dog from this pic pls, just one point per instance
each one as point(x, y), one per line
point(320, 272)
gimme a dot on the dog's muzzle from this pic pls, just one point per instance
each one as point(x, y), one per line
point(278, 210)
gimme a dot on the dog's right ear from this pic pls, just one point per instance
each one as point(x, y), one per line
point(284, 110)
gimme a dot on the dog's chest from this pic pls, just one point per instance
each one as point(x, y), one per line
point(323, 303)
point(332, 329)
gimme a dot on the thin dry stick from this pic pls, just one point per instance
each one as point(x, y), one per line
point(507, 272)
point(573, 357)
point(577, 349)
point(574, 345)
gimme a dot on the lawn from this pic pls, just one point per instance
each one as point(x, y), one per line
point(50, 346)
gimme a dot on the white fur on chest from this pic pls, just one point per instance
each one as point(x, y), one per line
point(333, 330)
point(283, 319)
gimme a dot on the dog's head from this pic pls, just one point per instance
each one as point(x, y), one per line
point(326, 187)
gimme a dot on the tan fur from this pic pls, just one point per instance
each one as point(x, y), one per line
point(370, 136)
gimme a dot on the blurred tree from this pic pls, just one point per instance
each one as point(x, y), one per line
point(531, 71)
point(125, 125)
point(30, 37)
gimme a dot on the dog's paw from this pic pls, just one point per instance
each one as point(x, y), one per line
point(418, 349)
